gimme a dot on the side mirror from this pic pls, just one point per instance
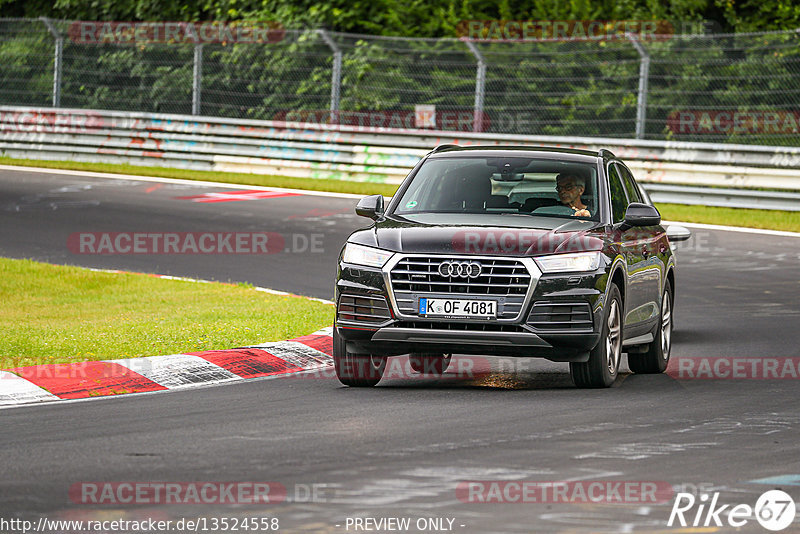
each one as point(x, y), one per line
point(371, 206)
point(677, 233)
point(639, 214)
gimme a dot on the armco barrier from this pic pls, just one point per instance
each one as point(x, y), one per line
point(358, 154)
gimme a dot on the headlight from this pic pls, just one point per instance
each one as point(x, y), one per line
point(567, 263)
point(361, 255)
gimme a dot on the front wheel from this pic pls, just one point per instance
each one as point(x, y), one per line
point(601, 369)
point(356, 370)
point(656, 359)
point(431, 364)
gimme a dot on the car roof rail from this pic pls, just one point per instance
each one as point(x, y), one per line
point(442, 148)
point(606, 153)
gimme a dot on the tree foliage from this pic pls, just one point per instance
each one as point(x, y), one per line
point(419, 18)
point(556, 88)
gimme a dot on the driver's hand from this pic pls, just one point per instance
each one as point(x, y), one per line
point(581, 213)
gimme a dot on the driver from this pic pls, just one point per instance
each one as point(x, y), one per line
point(570, 187)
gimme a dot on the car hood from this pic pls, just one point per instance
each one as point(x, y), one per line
point(469, 234)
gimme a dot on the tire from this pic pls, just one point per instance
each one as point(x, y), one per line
point(601, 369)
point(356, 370)
point(656, 359)
point(431, 364)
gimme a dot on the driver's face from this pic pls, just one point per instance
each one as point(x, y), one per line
point(568, 191)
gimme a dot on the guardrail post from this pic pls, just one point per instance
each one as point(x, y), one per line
point(197, 78)
point(480, 84)
point(336, 73)
point(644, 74)
point(57, 60)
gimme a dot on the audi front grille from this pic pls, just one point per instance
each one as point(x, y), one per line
point(504, 280)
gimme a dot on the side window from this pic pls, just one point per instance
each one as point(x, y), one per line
point(630, 185)
point(619, 202)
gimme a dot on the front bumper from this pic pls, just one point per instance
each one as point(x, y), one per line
point(525, 335)
point(393, 341)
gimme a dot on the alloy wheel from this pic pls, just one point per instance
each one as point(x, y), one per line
point(666, 326)
point(613, 341)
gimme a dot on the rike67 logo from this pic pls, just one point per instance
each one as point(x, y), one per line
point(774, 510)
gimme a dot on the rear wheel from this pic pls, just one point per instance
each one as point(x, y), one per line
point(656, 359)
point(601, 369)
point(430, 364)
point(356, 370)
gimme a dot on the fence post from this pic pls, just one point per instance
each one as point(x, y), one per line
point(644, 74)
point(197, 78)
point(480, 84)
point(57, 60)
point(336, 74)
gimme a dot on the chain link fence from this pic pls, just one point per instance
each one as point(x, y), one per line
point(739, 88)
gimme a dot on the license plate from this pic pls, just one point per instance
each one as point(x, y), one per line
point(457, 307)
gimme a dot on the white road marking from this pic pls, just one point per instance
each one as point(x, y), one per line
point(178, 370)
point(297, 353)
point(744, 229)
point(201, 281)
point(156, 179)
point(17, 390)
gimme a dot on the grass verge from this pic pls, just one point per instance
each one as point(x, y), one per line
point(766, 219)
point(788, 221)
point(263, 180)
point(62, 314)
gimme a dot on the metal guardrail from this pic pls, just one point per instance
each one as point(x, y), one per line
point(730, 198)
point(503, 81)
point(377, 155)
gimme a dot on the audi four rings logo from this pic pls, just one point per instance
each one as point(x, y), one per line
point(461, 269)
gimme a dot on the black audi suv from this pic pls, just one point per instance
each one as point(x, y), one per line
point(508, 251)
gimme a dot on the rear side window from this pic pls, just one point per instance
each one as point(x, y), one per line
point(630, 185)
point(619, 202)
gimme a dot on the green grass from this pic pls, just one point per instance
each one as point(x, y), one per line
point(767, 219)
point(62, 314)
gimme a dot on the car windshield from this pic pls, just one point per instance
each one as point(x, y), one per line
point(502, 185)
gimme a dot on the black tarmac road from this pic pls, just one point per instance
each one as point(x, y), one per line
point(403, 449)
